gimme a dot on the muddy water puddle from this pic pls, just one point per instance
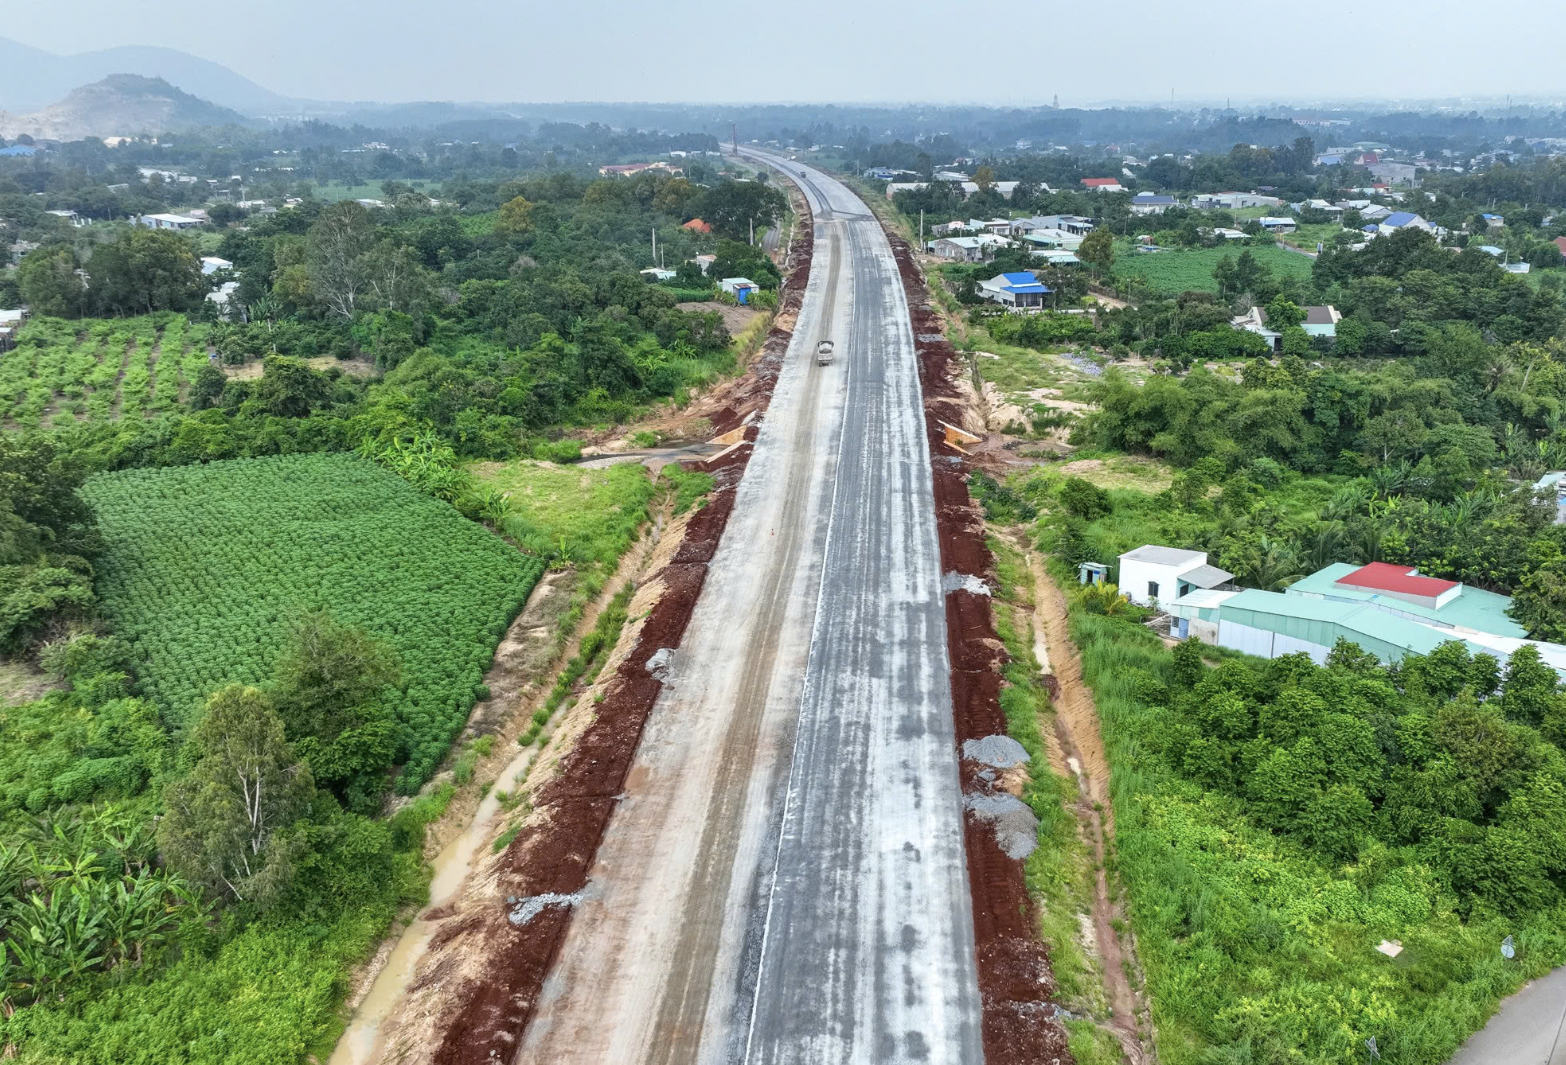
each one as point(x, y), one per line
point(361, 1043)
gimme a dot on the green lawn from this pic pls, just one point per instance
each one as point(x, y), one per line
point(1309, 236)
point(369, 190)
point(1169, 273)
point(592, 515)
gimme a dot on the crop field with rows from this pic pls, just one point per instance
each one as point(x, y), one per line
point(95, 370)
point(205, 566)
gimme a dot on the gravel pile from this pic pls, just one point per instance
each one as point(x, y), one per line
point(1002, 752)
point(1016, 827)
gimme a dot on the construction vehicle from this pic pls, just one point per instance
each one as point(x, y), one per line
point(824, 353)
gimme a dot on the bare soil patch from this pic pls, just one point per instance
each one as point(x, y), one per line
point(1080, 742)
point(22, 682)
point(737, 318)
point(245, 371)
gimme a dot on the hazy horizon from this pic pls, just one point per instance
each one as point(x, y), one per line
point(494, 52)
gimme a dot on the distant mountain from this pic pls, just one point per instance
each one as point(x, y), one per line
point(34, 78)
point(121, 105)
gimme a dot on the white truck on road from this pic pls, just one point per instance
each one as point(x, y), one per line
point(824, 353)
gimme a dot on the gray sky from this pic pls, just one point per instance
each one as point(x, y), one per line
point(849, 50)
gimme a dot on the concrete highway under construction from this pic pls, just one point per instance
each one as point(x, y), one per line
point(784, 879)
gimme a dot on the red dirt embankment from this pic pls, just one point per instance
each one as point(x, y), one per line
point(1015, 979)
point(554, 854)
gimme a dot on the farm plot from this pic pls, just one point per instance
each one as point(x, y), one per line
point(205, 565)
point(1170, 273)
point(97, 370)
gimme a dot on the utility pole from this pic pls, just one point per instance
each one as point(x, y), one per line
point(921, 229)
point(655, 245)
point(734, 133)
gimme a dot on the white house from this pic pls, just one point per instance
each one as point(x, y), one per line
point(703, 262)
point(654, 274)
point(1321, 321)
point(1255, 321)
point(1014, 290)
point(1153, 574)
point(969, 188)
point(223, 296)
point(72, 217)
point(1233, 201)
point(999, 226)
point(1005, 188)
point(211, 264)
point(960, 249)
point(170, 221)
point(1151, 203)
point(968, 249)
point(1103, 184)
point(1075, 224)
point(10, 325)
point(1053, 239)
point(1278, 224)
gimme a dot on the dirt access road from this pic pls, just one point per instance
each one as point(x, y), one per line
point(784, 880)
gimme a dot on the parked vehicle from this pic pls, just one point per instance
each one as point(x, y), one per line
point(824, 353)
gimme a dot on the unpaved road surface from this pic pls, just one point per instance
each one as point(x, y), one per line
point(784, 880)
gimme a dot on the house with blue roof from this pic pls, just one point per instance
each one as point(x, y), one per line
point(1404, 220)
point(1020, 289)
point(18, 150)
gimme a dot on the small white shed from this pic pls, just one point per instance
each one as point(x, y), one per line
point(1152, 574)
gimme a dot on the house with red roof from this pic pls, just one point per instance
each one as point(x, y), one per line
point(1103, 184)
point(1560, 242)
point(1388, 609)
point(696, 225)
point(1401, 582)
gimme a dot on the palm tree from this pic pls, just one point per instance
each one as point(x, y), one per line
point(1391, 479)
point(1270, 565)
point(1328, 545)
point(1368, 535)
point(1350, 500)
